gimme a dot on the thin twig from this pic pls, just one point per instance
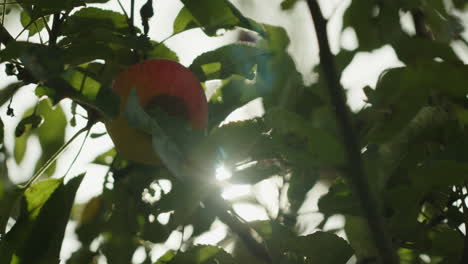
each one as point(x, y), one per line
point(46, 25)
point(79, 151)
point(53, 158)
point(123, 9)
point(3, 12)
point(55, 29)
point(355, 168)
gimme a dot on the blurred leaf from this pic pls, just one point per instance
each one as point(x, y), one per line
point(360, 238)
point(428, 176)
point(318, 247)
point(36, 58)
point(92, 18)
point(33, 239)
point(203, 255)
point(161, 51)
point(83, 256)
point(277, 78)
point(168, 256)
point(234, 93)
point(395, 105)
point(32, 120)
point(443, 27)
point(339, 200)
point(8, 91)
point(184, 21)
point(9, 196)
point(82, 83)
point(300, 184)
point(255, 173)
point(288, 4)
point(91, 221)
point(414, 50)
point(297, 132)
point(34, 26)
point(375, 23)
point(155, 232)
point(52, 131)
point(323, 247)
point(212, 16)
point(228, 60)
point(237, 140)
point(106, 157)
point(447, 243)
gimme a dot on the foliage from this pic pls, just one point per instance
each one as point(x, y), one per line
point(411, 133)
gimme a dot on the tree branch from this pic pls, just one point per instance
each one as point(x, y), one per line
point(355, 167)
point(5, 36)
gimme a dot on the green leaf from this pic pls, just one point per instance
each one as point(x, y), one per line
point(51, 133)
point(323, 147)
point(203, 255)
point(447, 243)
point(106, 157)
point(234, 93)
point(36, 58)
point(255, 173)
point(161, 51)
point(360, 238)
point(300, 184)
point(33, 239)
point(277, 78)
point(21, 142)
point(318, 247)
point(223, 62)
point(34, 25)
point(322, 247)
point(212, 16)
point(402, 92)
point(414, 50)
point(184, 21)
point(82, 83)
point(237, 140)
point(91, 18)
point(10, 196)
point(32, 120)
point(38, 194)
point(168, 256)
point(375, 24)
point(429, 176)
point(8, 91)
point(339, 200)
point(288, 4)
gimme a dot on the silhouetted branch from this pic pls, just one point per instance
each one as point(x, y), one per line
point(355, 168)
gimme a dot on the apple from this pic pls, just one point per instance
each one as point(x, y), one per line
point(165, 83)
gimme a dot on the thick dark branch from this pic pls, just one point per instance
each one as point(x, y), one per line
point(55, 29)
point(355, 168)
point(422, 30)
point(5, 36)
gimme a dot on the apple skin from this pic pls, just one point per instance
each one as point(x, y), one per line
point(155, 79)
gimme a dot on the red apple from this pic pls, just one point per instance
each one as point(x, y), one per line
point(165, 83)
